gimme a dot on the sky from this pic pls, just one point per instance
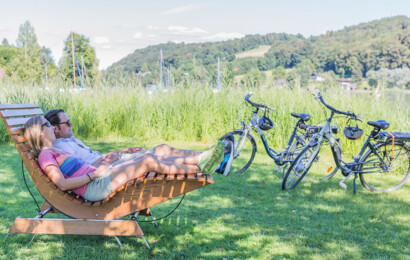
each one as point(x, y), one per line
point(117, 28)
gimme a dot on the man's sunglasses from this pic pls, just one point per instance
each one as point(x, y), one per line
point(68, 123)
point(46, 124)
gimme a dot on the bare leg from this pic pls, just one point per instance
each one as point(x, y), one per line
point(191, 160)
point(166, 150)
point(145, 164)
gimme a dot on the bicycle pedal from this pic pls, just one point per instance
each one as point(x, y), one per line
point(342, 185)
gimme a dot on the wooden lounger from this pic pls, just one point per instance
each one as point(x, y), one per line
point(90, 218)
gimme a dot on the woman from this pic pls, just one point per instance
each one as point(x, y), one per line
point(70, 172)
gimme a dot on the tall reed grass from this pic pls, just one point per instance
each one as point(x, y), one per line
point(194, 114)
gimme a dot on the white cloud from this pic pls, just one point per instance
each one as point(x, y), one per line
point(106, 47)
point(151, 36)
point(186, 30)
point(137, 35)
point(179, 10)
point(153, 28)
point(101, 40)
point(223, 36)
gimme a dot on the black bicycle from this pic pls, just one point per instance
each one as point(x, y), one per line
point(245, 145)
point(383, 163)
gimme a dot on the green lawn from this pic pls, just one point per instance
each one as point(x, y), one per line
point(241, 216)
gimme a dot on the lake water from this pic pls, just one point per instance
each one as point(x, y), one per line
point(395, 97)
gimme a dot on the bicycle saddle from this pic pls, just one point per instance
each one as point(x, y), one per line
point(381, 124)
point(304, 117)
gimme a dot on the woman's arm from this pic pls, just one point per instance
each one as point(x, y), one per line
point(54, 173)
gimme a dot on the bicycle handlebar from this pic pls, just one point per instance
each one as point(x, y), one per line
point(348, 113)
point(261, 105)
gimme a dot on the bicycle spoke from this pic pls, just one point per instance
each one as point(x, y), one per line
point(389, 172)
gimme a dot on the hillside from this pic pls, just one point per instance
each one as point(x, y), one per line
point(350, 52)
point(258, 52)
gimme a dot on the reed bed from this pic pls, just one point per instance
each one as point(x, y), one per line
point(195, 114)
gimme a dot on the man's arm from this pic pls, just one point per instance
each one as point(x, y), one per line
point(132, 150)
point(111, 157)
point(107, 159)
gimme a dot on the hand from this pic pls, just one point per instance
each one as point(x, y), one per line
point(107, 159)
point(111, 157)
point(100, 171)
point(132, 150)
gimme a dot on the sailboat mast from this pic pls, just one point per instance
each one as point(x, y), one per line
point(72, 52)
point(160, 69)
point(169, 76)
point(219, 74)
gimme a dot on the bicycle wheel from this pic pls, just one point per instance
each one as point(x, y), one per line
point(245, 149)
point(299, 167)
point(393, 173)
point(294, 151)
point(324, 163)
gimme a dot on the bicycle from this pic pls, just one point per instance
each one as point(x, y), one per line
point(384, 158)
point(245, 144)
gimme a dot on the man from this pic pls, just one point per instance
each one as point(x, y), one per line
point(68, 143)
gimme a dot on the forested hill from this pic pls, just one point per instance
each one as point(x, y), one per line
point(350, 52)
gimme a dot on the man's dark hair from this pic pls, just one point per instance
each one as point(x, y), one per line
point(53, 118)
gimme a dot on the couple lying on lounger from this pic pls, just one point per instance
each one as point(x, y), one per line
point(71, 165)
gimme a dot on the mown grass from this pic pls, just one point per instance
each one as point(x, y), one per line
point(240, 216)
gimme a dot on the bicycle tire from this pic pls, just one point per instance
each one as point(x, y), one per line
point(248, 151)
point(330, 167)
point(300, 167)
point(293, 153)
point(398, 167)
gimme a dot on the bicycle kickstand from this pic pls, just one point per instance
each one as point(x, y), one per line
point(354, 183)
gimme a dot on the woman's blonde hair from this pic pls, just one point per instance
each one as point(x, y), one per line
point(32, 131)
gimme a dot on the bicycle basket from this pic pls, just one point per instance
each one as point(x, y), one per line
point(353, 132)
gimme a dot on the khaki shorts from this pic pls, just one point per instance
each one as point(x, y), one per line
point(99, 188)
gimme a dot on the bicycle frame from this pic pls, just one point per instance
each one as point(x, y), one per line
point(347, 168)
point(276, 156)
point(351, 167)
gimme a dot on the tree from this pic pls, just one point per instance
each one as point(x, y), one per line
point(26, 62)
point(83, 49)
point(372, 82)
point(304, 69)
point(253, 78)
point(5, 42)
point(279, 73)
point(7, 58)
point(47, 62)
point(293, 79)
point(27, 40)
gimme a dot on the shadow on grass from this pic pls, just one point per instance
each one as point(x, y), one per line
point(241, 216)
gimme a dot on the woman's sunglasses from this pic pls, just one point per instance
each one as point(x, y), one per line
point(46, 124)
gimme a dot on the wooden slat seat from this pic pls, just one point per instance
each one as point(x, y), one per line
point(136, 195)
